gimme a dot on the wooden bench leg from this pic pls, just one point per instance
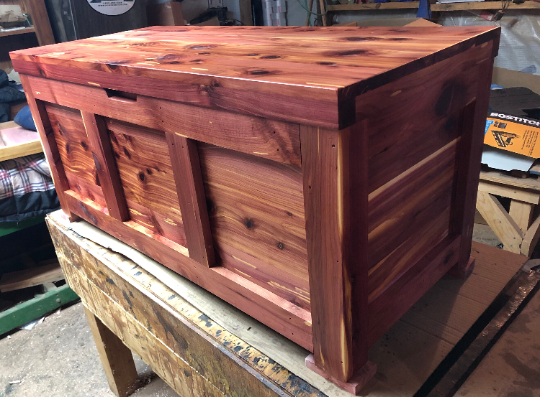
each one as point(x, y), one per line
point(116, 358)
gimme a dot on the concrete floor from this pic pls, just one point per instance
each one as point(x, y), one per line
point(59, 358)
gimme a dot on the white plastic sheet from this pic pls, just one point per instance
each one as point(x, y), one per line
point(520, 37)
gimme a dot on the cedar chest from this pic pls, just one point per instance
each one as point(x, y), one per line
point(319, 179)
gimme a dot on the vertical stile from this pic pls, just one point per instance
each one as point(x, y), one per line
point(50, 146)
point(334, 165)
point(468, 166)
point(106, 167)
point(190, 189)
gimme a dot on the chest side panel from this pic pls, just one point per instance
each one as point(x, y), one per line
point(415, 126)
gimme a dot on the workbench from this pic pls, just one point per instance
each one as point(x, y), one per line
point(200, 345)
point(519, 227)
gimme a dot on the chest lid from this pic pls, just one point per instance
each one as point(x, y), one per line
point(300, 74)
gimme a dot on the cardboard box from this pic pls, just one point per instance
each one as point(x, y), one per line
point(512, 140)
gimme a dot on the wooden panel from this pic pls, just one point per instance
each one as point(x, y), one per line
point(400, 258)
point(405, 205)
point(306, 75)
point(265, 138)
point(407, 122)
point(73, 144)
point(387, 308)
point(102, 153)
point(85, 188)
point(50, 146)
point(256, 214)
point(272, 310)
point(189, 187)
point(147, 179)
point(334, 165)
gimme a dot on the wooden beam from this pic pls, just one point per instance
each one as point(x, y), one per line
point(521, 213)
point(498, 219)
point(334, 165)
point(481, 5)
point(46, 134)
point(508, 180)
point(40, 20)
point(513, 192)
point(531, 238)
point(109, 178)
point(473, 121)
point(116, 358)
point(31, 277)
point(246, 15)
point(190, 189)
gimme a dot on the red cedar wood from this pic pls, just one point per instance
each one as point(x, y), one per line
point(304, 84)
point(468, 175)
point(334, 166)
point(100, 144)
point(342, 331)
point(72, 143)
point(279, 314)
point(274, 140)
point(190, 189)
point(50, 147)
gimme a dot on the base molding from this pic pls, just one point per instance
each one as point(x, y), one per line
point(355, 384)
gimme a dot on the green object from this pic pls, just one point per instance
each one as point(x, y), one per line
point(11, 227)
point(34, 308)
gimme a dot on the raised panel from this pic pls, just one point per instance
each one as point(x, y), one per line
point(73, 145)
point(146, 173)
point(256, 211)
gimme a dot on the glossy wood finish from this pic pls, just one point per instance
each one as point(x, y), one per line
point(297, 74)
point(190, 189)
point(107, 171)
point(318, 179)
point(336, 211)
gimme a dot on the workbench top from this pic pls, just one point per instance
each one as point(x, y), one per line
point(198, 343)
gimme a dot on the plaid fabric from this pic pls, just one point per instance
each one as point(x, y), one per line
point(24, 175)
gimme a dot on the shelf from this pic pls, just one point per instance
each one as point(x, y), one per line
point(477, 5)
point(16, 31)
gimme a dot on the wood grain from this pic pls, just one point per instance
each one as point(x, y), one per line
point(191, 196)
point(272, 310)
point(253, 135)
point(116, 358)
point(256, 212)
point(50, 146)
point(385, 310)
point(147, 178)
point(468, 173)
point(401, 136)
point(73, 143)
point(312, 72)
point(521, 213)
point(500, 221)
point(107, 170)
point(212, 349)
point(404, 206)
point(334, 166)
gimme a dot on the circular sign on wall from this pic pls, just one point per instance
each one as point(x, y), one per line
point(111, 7)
